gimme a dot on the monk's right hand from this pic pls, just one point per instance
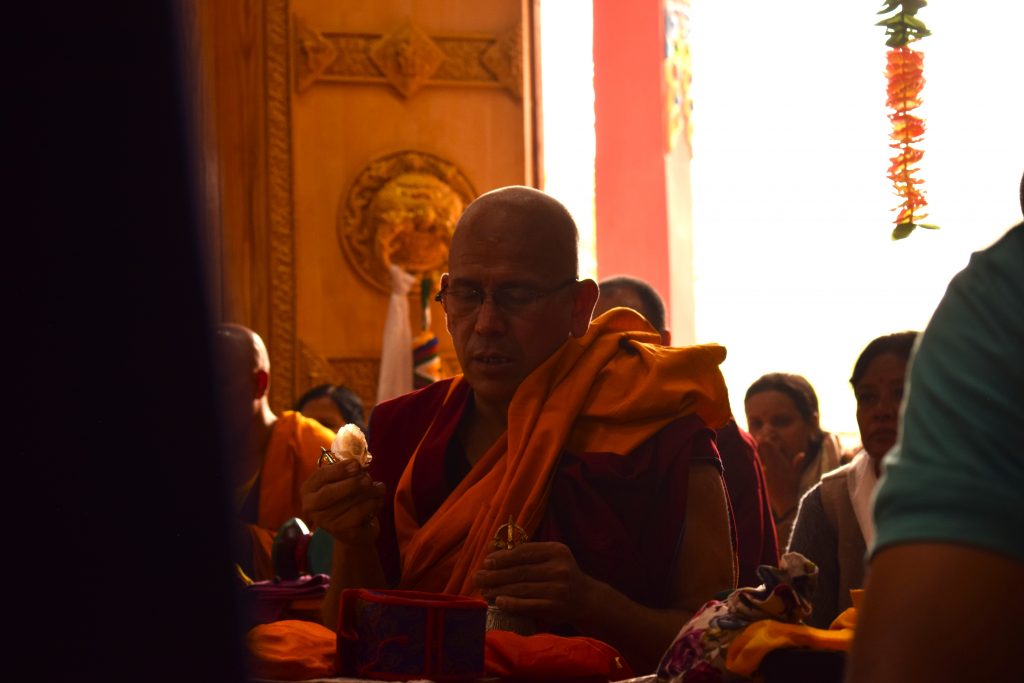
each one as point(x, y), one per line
point(344, 500)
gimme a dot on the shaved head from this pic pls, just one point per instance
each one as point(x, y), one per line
point(243, 377)
point(632, 292)
point(240, 345)
point(514, 258)
point(519, 218)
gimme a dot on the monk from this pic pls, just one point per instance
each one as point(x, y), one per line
point(756, 541)
point(270, 455)
point(593, 441)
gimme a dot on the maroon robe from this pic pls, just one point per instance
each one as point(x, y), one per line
point(623, 517)
point(756, 543)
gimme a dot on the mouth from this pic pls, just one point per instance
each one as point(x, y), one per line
point(885, 437)
point(491, 359)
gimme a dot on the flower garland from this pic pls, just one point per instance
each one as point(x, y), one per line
point(905, 73)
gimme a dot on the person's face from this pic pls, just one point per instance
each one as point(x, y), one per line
point(236, 390)
point(325, 411)
point(879, 393)
point(776, 424)
point(498, 345)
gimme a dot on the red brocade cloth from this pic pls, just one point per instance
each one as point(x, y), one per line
point(301, 650)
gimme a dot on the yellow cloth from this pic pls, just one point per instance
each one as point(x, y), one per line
point(609, 390)
point(755, 642)
point(291, 456)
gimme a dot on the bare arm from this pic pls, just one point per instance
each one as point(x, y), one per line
point(343, 500)
point(979, 595)
point(543, 580)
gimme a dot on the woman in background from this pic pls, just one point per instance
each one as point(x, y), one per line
point(833, 526)
point(332, 406)
point(782, 416)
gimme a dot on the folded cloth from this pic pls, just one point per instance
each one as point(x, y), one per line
point(547, 657)
point(762, 637)
point(267, 600)
point(753, 621)
point(290, 650)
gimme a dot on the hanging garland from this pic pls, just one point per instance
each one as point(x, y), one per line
point(905, 73)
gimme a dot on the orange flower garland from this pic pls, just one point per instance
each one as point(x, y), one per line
point(905, 73)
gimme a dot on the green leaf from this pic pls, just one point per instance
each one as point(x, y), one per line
point(890, 5)
point(928, 226)
point(902, 230)
point(894, 20)
point(897, 39)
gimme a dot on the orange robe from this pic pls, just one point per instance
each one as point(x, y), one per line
point(291, 456)
point(608, 391)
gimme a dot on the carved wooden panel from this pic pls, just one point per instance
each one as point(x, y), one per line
point(279, 203)
point(408, 58)
point(402, 209)
point(282, 156)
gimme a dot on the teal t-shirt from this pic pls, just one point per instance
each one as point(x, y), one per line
point(957, 471)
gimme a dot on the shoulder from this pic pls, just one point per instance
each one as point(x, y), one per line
point(306, 429)
point(398, 424)
point(811, 528)
point(830, 455)
point(412, 403)
point(811, 500)
point(838, 475)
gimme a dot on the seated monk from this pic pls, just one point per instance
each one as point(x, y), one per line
point(592, 438)
point(270, 455)
point(756, 542)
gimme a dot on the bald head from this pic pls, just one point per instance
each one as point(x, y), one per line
point(518, 219)
point(637, 294)
point(241, 347)
point(513, 297)
point(243, 377)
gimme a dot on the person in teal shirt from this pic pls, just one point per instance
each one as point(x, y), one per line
point(944, 598)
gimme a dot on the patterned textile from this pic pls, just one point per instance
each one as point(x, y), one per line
point(698, 654)
point(426, 363)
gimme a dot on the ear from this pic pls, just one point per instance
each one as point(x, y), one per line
point(441, 287)
point(261, 383)
point(584, 300)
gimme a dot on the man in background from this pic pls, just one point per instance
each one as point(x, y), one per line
point(269, 456)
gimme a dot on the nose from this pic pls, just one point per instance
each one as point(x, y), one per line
point(888, 408)
point(762, 434)
point(490, 321)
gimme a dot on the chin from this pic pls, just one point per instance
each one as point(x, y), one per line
point(489, 391)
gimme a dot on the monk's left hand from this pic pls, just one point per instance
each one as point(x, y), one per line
point(541, 580)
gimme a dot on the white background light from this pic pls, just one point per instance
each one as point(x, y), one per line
point(795, 269)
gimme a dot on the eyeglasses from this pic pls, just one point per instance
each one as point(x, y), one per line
point(513, 300)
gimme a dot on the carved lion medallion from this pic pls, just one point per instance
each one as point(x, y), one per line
point(402, 209)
